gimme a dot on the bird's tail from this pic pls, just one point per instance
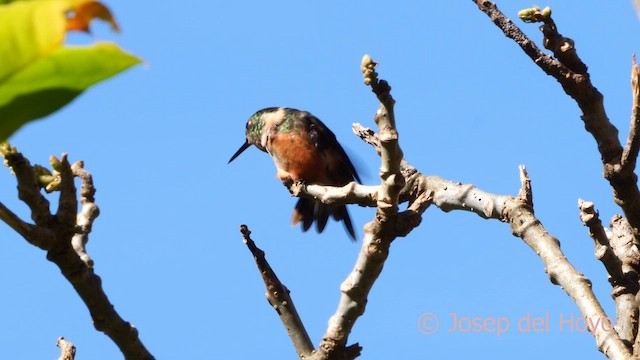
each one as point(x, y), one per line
point(308, 210)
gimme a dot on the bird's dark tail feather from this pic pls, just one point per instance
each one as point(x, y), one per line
point(307, 211)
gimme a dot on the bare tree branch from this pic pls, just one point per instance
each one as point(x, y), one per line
point(597, 232)
point(68, 203)
point(279, 297)
point(88, 213)
point(55, 234)
point(630, 152)
point(370, 137)
point(18, 225)
point(351, 193)
point(67, 350)
point(563, 48)
point(623, 278)
point(28, 188)
point(576, 83)
point(547, 63)
point(449, 195)
point(380, 232)
point(626, 249)
point(412, 217)
point(401, 182)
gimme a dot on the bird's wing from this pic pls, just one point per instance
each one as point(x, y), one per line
point(326, 140)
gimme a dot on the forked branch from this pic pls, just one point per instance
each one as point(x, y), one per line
point(64, 235)
point(571, 73)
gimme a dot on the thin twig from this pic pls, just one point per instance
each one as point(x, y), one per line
point(280, 299)
point(18, 225)
point(563, 48)
point(68, 203)
point(547, 63)
point(370, 137)
point(526, 193)
point(576, 85)
point(630, 152)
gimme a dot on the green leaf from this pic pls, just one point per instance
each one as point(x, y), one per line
point(29, 29)
point(54, 80)
point(38, 75)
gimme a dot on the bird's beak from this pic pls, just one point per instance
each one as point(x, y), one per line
point(242, 148)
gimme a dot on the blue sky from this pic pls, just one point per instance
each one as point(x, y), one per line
point(470, 107)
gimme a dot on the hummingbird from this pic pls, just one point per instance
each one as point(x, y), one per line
point(303, 149)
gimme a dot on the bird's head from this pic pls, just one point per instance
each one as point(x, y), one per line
point(254, 131)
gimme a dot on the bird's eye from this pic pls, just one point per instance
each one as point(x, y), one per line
point(249, 123)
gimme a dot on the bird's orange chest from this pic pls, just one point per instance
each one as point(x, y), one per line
point(296, 156)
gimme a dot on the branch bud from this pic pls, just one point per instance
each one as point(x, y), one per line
point(368, 68)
